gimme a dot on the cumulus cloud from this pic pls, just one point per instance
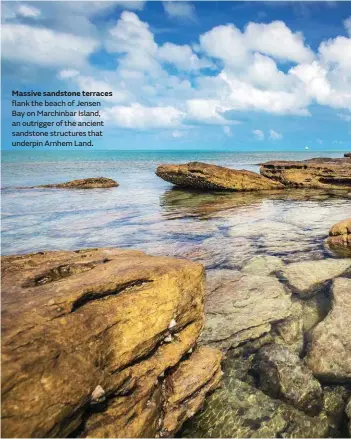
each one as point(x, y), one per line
point(182, 57)
point(180, 10)
point(258, 134)
point(21, 43)
point(274, 135)
point(140, 117)
point(246, 68)
point(347, 24)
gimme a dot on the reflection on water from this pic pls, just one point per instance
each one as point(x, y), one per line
point(220, 229)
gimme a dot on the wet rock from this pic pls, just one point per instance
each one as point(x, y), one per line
point(238, 409)
point(340, 235)
point(315, 309)
point(309, 277)
point(315, 173)
point(334, 405)
point(283, 375)
point(84, 183)
point(347, 154)
point(214, 178)
point(348, 414)
point(83, 344)
point(263, 265)
point(243, 308)
point(329, 353)
point(290, 332)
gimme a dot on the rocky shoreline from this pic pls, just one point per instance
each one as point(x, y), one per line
point(319, 173)
point(116, 343)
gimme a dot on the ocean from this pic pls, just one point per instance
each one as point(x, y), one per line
point(218, 229)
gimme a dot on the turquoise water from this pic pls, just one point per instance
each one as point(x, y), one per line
point(144, 212)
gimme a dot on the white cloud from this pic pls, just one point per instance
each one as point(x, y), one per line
point(274, 135)
point(258, 134)
point(21, 43)
point(227, 131)
point(277, 40)
point(180, 10)
point(140, 117)
point(182, 57)
point(28, 11)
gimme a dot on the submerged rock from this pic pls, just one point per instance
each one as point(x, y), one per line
point(84, 344)
point(242, 308)
point(348, 414)
point(84, 183)
point(214, 178)
point(283, 375)
point(308, 277)
point(263, 265)
point(315, 173)
point(329, 353)
point(340, 235)
point(239, 409)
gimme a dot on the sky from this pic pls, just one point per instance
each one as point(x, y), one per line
point(241, 76)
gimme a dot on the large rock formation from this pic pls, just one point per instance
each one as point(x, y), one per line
point(283, 375)
point(329, 355)
point(216, 178)
point(84, 183)
point(99, 343)
point(340, 234)
point(242, 307)
point(314, 173)
point(347, 154)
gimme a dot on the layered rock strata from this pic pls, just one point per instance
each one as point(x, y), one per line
point(100, 343)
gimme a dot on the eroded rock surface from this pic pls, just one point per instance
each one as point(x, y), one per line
point(243, 307)
point(100, 341)
point(329, 355)
point(263, 265)
point(283, 375)
point(340, 234)
point(216, 178)
point(308, 277)
point(314, 173)
point(84, 183)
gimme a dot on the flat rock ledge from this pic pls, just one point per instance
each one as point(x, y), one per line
point(340, 234)
point(102, 343)
point(84, 183)
point(203, 176)
point(320, 173)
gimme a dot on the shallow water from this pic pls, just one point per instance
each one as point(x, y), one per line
point(144, 212)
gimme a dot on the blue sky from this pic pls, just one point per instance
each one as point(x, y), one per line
point(236, 76)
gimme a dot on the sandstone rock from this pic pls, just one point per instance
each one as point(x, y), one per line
point(283, 375)
point(243, 308)
point(308, 277)
point(315, 309)
point(216, 178)
point(83, 342)
point(329, 354)
point(314, 173)
point(348, 414)
point(240, 410)
point(290, 332)
point(334, 405)
point(340, 234)
point(263, 265)
point(84, 183)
